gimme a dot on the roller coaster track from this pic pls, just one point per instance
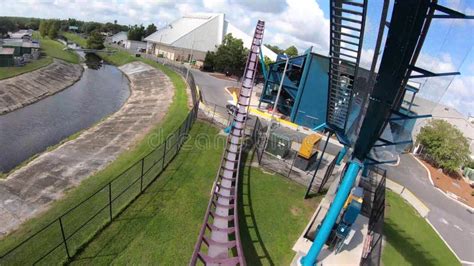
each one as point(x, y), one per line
point(346, 35)
point(220, 230)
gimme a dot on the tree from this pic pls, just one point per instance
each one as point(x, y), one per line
point(267, 61)
point(95, 41)
point(444, 144)
point(291, 51)
point(230, 56)
point(89, 27)
point(150, 30)
point(136, 33)
point(7, 24)
point(274, 48)
point(209, 61)
point(53, 29)
point(44, 28)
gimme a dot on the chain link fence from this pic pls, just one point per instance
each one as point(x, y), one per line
point(287, 165)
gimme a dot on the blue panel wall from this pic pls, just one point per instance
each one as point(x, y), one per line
point(310, 109)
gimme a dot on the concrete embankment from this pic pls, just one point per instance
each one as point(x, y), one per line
point(31, 189)
point(30, 87)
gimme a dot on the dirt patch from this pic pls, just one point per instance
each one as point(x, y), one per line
point(448, 184)
point(296, 211)
point(31, 87)
point(31, 189)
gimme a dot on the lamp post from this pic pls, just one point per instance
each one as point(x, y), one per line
point(161, 36)
point(275, 104)
point(191, 57)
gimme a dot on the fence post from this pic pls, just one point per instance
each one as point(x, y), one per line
point(188, 119)
point(181, 135)
point(64, 237)
point(141, 176)
point(308, 190)
point(263, 149)
point(213, 114)
point(164, 155)
point(292, 163)
point(110, 200)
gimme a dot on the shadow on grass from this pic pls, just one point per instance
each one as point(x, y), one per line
point(113, 239)
point(250, 235)
point(412, 252)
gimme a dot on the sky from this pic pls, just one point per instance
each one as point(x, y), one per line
point(303, 23)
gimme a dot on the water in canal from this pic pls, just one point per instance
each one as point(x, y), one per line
point(101, 91)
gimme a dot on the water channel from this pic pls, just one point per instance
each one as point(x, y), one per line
point(101, 91)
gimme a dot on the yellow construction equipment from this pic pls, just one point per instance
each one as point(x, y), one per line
point(307, 146)
point(357, 194)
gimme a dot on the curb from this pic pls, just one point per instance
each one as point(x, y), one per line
point(395, 164)
point(405, 193)
point(470, 209)
point(426, 169)
point(425, 217)
point(446, 243)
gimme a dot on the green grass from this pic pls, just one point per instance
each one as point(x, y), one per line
point(410, 240)
point(119, 57)
point(75, 38)
point(8, 72)
point(273, 217)
point(56, 49)
point(162, 225)
point(177, 112)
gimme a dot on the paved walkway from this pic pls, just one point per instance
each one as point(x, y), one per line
point(453, 221)
point(31, 189)
point(30, 87)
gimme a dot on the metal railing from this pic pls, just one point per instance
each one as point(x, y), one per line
point(63, 237)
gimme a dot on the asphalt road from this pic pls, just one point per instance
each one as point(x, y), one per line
point(212, 88)
point(451, 219)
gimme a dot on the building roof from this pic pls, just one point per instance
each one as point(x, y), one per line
point(178, 28)
point(8, 51)
point(19, 34)
point(173, 32)
point(121, 36)
point(202, 32)
point(20, 43)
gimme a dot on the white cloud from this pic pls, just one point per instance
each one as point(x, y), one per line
point(460, 94)
point(288, 22)
point(455, 91)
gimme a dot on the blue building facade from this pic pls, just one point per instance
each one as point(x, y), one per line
point(303, 99)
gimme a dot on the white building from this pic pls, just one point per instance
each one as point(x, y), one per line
point(119, 37)
point(196, 34)
point(134, 45)
point(21, 34)
point(449, 114)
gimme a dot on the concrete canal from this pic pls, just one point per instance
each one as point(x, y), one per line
point(102, 90)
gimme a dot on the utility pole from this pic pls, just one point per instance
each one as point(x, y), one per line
point(190, 58)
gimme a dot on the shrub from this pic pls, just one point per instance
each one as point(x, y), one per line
point(444, 144)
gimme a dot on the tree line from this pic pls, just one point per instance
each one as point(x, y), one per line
point(290, 51)
point(138, 33)
point(12, 24)
point(51, 27)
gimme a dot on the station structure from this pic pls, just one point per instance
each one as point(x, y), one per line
point(367, 110)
